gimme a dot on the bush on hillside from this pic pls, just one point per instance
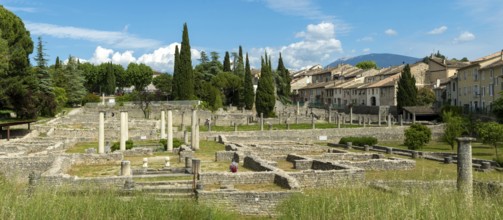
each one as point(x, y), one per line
point(359, 141)
point(176, 143)
point(116, 145)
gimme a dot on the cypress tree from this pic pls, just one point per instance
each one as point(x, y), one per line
point(248, 96)
point(186, 83)
point(57, 64)
point(283, 82)
point(110, 82)
point(265, 99)
point(407, 91)
point(227, 62)
point(176, 75)
point(238, 98)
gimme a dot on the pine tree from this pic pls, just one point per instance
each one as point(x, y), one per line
point(57, 64)
point(186, 83)
point(248, 95)
point(283, 82)
point(265, 99)
point(227, 62)
point(176, 75)
point(45, 94)
point(407, 91)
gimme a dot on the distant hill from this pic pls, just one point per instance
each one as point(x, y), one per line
point(381, 59)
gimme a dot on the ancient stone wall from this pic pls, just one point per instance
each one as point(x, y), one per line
point(246, 203)
point(19, 168)
point(382, 164)
point(328, 178)
point(226, 156)
point(236, 178)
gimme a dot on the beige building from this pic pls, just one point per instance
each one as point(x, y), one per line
point(478, 83)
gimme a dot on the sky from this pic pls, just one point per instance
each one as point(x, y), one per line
point(305, 32)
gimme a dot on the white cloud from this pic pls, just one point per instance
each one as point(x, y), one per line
point(365, 39)
point(21, 9)
point(390, 32)
point(161, 59)
point(318, 44)
point(464, 37)
point(115, 39)
point(439, 30)
point(366, 50)
point(304, 8)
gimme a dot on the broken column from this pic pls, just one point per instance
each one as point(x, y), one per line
point(125, 168)
point(338, 121)
point(145, 162)
point(413, 118)
point(166, 162)
point(401, 120)
point(389, 120)
point(186, 137)
point(329, 115)
point(298, 109)
point(465, 177)
point(170, 131)
point(163, 124)
point(313, 126)
point(101, 135)
point(123, 131)
point(379, 118)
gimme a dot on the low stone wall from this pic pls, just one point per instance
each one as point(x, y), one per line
point(328, 178)
point(346, 156)
point(246, 203)
point(236, 178)
point(257, 164)
point(139, 151)
point(333, 135)
point(19, 168)
point(326, 165)
point(89, 159)
point(226, 156)
point(382, 164)
point(73, 181)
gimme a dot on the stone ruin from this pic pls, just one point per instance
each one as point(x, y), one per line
point(289, 160)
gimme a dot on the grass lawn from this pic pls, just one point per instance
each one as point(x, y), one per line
point(479, 150)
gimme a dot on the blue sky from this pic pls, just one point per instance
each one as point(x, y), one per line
point(306, 32)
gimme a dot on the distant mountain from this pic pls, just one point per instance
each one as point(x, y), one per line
point(381, 59)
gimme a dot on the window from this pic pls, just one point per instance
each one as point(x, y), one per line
point(475, 75)
point(491, 90)
point(453, 86)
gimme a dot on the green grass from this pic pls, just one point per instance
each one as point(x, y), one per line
point(368, 203)
point(479, 150)
point(19, 203)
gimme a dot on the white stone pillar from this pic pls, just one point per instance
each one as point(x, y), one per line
point(103, 99)
point(196, 146)
point(163, 124)
point(389, 120)
point(170, 131)
point(193, 130)
point(101, 135)
point(298, 108)
point(127, 125)
point(123, 131)
point(351, 115)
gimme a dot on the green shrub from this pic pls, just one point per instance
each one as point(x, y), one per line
point(499, 160)
point(128, 97)
point(359, 141)
point(116, 145)
point(90, 97)
point(416, 136)
point(176, 143)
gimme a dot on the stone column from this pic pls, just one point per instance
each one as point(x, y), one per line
point(163, 124)
point(145, 162)
point(338, 121)
point(166, 162)
point(197, 137)
point(297, 119)
point(465, 177)
point(379, 118)
point(123, 131)
point(351, 115)
point(298, 108)
point(125, 168)
point(182, 125)
point(101, 135)
point(103, 99)
point(186, 137)
point(127, 125)
point(389, 120)
point(170, 131)
point(329, 115)
point(269, 125)
point(261, 121)
point(359, 120)
point(313, 126)
point(413, 118)
point(193, 129)
point(401, 120)
point(364, 124)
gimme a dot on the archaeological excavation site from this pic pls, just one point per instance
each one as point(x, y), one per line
point(232, 158)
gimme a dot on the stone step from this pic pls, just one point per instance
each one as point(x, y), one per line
point(165, 189)
point(165, 183)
